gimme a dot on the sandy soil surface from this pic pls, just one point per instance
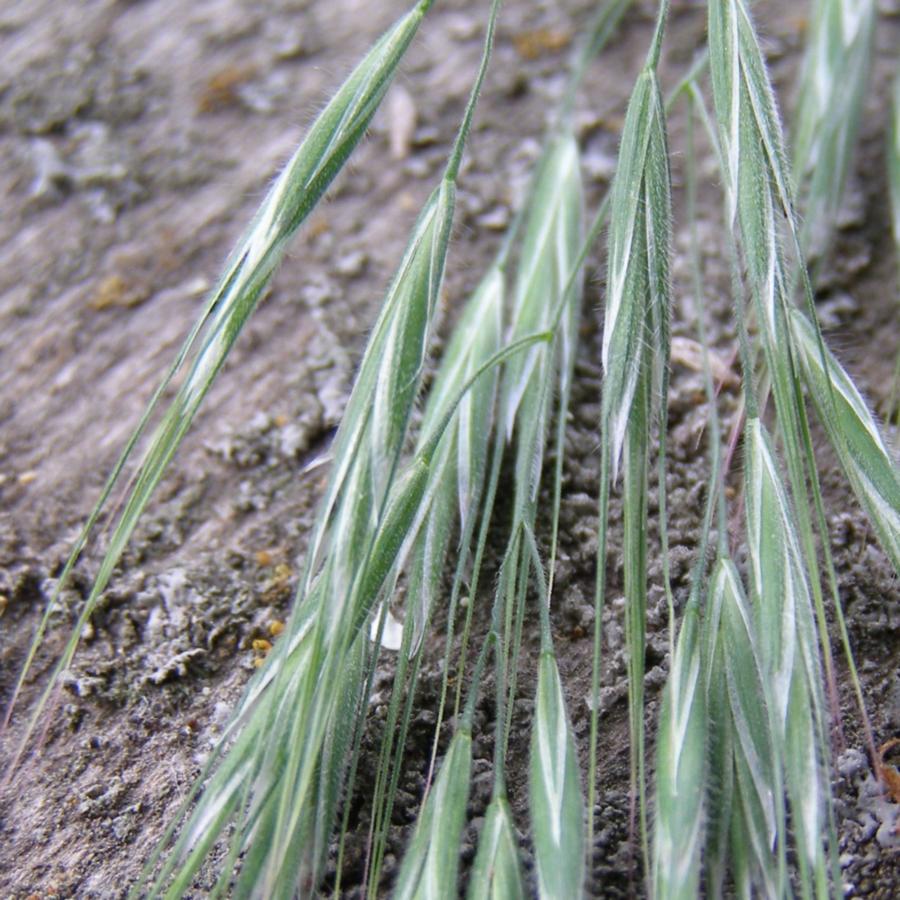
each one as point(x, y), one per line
point(136, 139)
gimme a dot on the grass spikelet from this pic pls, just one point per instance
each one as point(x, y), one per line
point(455, 485)
point(788, 652)
point(635, 331)
point(829, 105)
point(270, 722)
point(430, 865)
point(752, 149)
point(555, 799)
point(367, 446)
point(475, 340)
point(681, 771)
point(294, 194)
point(460, 469)
point(851, 428)
point(496, 873)
point(746, 831)
point(550, 247)
point(429, 868)
point(720, 751)
point(773, 554)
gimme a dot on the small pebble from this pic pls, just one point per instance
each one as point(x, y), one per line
point(352, 264)
point(402, 117)
point(495, 219)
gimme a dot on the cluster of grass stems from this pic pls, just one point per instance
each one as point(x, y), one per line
point(741, 793)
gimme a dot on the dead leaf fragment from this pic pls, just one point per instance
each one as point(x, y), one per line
point(263, 558)
point(689, 353)
point(116, 291)
point(889, 775)
point(540, 41)
point(222, 89)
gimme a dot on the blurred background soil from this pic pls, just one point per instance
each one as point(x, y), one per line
point(136, 140)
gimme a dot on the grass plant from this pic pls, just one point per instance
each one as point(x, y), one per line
point(741, 783)
point(635, 362)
